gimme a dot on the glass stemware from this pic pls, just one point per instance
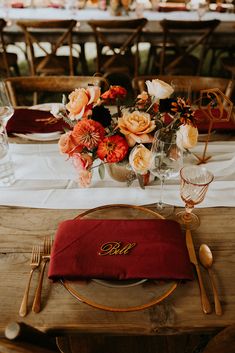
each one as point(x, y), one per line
point(6, 111)
point(202, 8)
point(195, 181)
point(167, 160)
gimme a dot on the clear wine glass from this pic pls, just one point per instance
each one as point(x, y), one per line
point(6, 108)
point(167, 160)
point(195, 181)
point(202, 9)
point(6, 167)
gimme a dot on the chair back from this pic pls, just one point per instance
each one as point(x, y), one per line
point(44, 85)
point(4, 61)
point(197, 83)
point(224, 341)
point(61, 31)
point(22, 338)
point(196, 35)
point(117, 38)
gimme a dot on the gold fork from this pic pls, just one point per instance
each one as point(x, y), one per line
point(45, 258)
point(34, 263)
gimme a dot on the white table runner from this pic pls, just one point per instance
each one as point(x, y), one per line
point(45, 179)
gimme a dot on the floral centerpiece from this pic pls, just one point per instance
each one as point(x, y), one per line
point(97, 137)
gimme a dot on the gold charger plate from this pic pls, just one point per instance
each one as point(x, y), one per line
point(126, 295)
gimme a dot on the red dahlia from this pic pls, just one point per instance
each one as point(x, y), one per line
point(114, 92)
point(112, 149)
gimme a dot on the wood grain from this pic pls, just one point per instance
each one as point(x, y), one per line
point(21, 228)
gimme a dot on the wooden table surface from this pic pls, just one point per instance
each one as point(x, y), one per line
point(21, 228)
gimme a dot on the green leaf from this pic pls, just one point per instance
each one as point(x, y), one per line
point(101, 170)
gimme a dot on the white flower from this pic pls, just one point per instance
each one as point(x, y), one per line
point(186, 136)
point(159, 89)
point(57, 109)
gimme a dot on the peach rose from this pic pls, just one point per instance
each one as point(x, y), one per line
point(67, 144)
point(78, 101)
point(186, 136)
point(93, 93)
point(140, 159)
point(136, 126)
point(159, 89)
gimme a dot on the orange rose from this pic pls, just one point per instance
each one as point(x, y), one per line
point(136, 126)
point(67, 144)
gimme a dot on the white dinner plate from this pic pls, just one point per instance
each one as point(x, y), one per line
point(50, 136)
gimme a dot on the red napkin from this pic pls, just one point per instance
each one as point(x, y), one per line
point(171, 7)
point(159, 253)
point(17, 5)
point(34, 121)
point(203, 121)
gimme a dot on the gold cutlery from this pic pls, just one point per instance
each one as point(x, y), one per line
point(206, 307)
point(34, 263)
point(206, 258)
point(45, 258)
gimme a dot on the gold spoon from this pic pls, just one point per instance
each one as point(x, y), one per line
point(206, 258)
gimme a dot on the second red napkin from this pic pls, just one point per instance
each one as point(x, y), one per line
point(34, 121)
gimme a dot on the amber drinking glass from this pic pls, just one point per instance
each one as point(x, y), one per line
point(194, 184)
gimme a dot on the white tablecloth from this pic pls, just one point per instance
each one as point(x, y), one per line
point(88, 14)
point(45, 179)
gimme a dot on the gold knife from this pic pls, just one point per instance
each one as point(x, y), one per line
point(206, 307)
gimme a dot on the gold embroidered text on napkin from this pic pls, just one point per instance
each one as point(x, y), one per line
point(116, 248)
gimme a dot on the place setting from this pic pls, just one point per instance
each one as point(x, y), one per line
point(36, 123)
point(124, 258)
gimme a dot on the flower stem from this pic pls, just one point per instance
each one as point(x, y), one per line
point(160, 203)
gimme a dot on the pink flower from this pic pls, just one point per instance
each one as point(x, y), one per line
point(82, 161)
point(84, 178)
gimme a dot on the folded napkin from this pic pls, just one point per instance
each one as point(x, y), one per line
point(119, 249)
point(203, 122)
point(17, 5)
point(34, 121)
point(172, 7)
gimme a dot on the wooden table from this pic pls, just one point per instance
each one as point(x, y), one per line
point(20, 228)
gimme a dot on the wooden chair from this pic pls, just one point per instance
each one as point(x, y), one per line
point(223, 342)
point(60, 33)
point(180, 40)
point(8, 61)
point(229, 64)
point(197, 83)
point(114, 43)
point(22, 338)
point(20, 88)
